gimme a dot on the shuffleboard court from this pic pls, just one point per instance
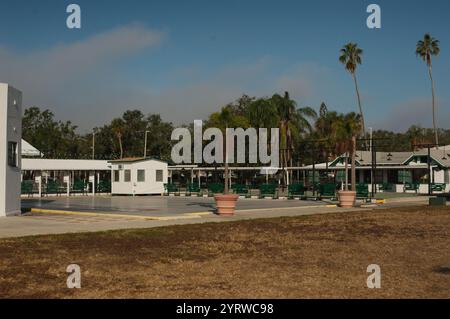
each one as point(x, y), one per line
point(154, 206)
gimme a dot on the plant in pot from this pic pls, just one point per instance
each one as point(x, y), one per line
point(226, 202)
point(346, 129)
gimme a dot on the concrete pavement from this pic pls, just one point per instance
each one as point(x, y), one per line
point(84, 214)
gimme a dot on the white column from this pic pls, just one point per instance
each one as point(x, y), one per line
point(67, 181)
point(38, 180)
point(92, 181)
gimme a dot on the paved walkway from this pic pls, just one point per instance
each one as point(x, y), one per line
point(86, 214)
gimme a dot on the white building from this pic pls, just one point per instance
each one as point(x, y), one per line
point(138, 176)
point(67, 173)
point(395, 169)
point(10, 145)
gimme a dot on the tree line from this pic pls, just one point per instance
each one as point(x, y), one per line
point(125, 136)
point(302, 129)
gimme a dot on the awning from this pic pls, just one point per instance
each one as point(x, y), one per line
point(30, 150)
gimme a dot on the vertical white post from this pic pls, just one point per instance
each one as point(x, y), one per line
point(38, 180)
point(67, 181)
point(92, 180)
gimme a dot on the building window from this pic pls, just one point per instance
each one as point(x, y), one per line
point(12, 154)
point(141, 175)
point(159, 175)
point(116, 176)
point(127, 175)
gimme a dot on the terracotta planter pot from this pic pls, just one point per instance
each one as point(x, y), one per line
point(347, 199)
point(226, 204)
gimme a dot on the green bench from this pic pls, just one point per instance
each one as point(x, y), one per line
point(171, 189)
point(438, 187)
point(52, 187)
point(411, 187)
point(362, 191)
point(215, 189)
point(327, 191)
point(385, 187)
point(27, 188)
point(296, 190)
point(104, 186)
point(193, 189)
point(268, 190)
point(241, 190)
point(79, 187)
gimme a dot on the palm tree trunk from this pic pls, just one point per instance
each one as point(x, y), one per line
point(226, 172)
point(353, 179)
point(360, 108)
point(436, 138)
point(226, 190)
point(121, 147)
point(346, 171)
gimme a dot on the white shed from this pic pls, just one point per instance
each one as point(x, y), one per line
point(138, 176)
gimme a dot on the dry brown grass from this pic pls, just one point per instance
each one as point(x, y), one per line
point(301, 257)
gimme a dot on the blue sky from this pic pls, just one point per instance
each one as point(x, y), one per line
point(184, 59)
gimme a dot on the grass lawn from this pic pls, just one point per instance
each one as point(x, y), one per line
point(299, 257)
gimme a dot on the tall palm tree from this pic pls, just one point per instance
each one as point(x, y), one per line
point(346, 128)
point(425, 49)
point(117, 126)
point(323, 131)
point(223, 120)
point(351, 57)
point(291, 121)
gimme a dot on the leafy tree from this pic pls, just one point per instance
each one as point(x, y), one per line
point(159, 143)
point(134, 125)
point(262, 113)
point(54, 138)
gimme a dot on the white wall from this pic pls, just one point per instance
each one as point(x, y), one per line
point(439, 176)
point(10, 131)
point(150, 186)
point(42, 164)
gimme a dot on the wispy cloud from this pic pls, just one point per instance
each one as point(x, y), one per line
point(416, 111)
point(83, 82)
point(48, 76)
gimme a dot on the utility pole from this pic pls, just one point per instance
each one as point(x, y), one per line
point(145, 144)
point(374, 168)
point(374, 158)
